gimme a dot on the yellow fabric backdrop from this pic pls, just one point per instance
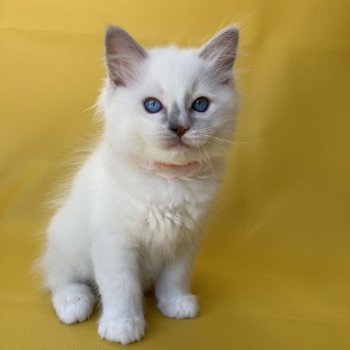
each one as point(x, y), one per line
point(274, 270)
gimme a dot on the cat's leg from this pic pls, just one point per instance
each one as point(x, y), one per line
point(66, 267)
point(73, 302)
point(72, 299)
point(173, 288)
point(117, 276)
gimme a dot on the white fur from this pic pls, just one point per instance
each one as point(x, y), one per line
point(128, 224)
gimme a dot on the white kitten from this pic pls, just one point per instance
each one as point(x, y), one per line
point(132, 217)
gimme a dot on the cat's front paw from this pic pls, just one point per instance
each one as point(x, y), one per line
point(73, 303)
point(121, 329)
point(179, 307)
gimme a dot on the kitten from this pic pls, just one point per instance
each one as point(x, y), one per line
point(132, 218)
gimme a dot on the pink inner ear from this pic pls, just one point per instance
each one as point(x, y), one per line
point(221, 50)
point(123, 53)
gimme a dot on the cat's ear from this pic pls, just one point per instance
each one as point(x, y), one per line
point(220, 51)
point(123, 55)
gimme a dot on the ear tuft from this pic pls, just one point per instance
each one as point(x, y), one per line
point(123, 54)
point(221, 50)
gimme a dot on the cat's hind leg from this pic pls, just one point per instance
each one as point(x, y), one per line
point(67, 268)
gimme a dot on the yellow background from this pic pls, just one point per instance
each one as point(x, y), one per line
point(274, 270)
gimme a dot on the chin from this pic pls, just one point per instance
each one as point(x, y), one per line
point(172, 150)
point(182, 154)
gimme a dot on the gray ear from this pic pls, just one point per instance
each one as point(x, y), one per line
point(221, 50)
point(123, 54)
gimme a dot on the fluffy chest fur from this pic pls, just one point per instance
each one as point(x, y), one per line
point(169, 219)
point(174, 217)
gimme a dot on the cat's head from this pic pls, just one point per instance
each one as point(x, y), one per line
point(169, 104)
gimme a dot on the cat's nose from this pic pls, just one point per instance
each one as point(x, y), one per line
point(179, 130)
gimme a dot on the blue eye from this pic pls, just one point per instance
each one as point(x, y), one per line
point(152, 105)
point(200, 105)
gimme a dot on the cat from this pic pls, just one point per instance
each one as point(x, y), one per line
point(132, 218)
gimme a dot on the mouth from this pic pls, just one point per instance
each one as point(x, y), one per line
point(178, 144)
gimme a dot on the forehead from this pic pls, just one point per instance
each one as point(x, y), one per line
point(173, 71)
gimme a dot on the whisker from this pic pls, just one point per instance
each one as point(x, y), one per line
point(88, 109)
point(212, 127)
point(218, 125)
point(232, 142)
point(211, 164)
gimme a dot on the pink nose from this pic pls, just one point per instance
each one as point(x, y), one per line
point(179, 130)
